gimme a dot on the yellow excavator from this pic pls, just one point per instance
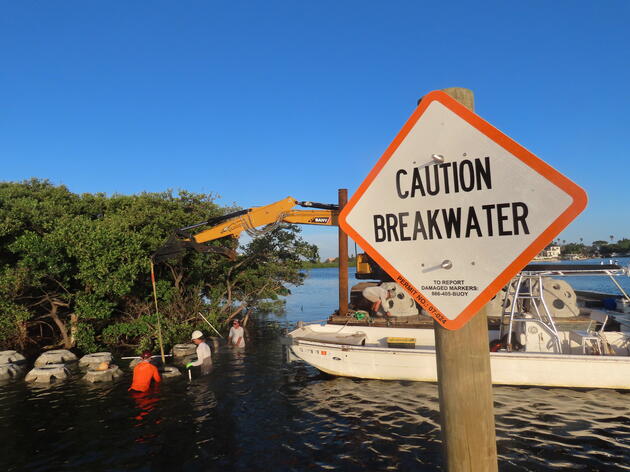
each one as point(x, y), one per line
point(249, 220)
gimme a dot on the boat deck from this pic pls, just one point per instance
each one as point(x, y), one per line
point(426, 322)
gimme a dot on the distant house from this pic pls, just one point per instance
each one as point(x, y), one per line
point(330, 259)
point(550, 252)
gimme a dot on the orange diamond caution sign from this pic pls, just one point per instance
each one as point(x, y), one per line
point(454, 209)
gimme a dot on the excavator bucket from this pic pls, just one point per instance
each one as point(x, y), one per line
point(175, 248)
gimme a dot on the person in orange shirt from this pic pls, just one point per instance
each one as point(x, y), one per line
point(143, 373)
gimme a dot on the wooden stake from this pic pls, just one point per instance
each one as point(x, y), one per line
point(464, 383)
point(343, 258)
point(157, 313)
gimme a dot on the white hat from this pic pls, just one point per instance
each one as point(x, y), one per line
point(196, 335)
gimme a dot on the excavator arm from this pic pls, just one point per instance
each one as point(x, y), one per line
point(276, 213)
point(248, 220)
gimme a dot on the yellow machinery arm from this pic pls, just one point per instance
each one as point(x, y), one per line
point(279, 212)
point(233, 224)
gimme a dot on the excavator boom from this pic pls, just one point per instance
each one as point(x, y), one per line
point(248, 220)
point(278, 212)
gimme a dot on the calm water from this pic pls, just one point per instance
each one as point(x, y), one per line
point(254, 412)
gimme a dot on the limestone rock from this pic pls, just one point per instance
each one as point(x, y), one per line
point(90, 361)
point(183, 350)
point(11, 357)
point(169, 372)
point(10, 371)
point(109, 375)
point(48, 373)
point(56, 356)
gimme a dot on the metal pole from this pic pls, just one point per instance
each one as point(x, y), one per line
point(215, 330)
point(464, 384)
point(619, 287)
point(343, 259)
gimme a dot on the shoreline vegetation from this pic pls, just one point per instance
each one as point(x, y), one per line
point(564, 250)
point(75, 270)
point(352, 262)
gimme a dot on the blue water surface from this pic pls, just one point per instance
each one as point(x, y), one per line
point(319, 296)
point(255, 412)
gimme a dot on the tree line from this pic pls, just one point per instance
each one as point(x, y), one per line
point(599, 248)
point(75, 269)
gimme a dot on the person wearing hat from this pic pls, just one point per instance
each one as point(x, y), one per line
point(378, 296)
point(144, 373)
point(204, 355)
point(236, 336)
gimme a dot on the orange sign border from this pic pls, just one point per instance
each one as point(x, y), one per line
point(574, 191)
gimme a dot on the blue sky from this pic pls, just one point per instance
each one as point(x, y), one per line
point(256, 101)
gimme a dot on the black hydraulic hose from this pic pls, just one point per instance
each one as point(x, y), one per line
point(323, 206)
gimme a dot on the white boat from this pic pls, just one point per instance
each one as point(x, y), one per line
point(538, 349)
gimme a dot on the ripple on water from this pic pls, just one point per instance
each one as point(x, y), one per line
point(543, 428)
point(255, 413)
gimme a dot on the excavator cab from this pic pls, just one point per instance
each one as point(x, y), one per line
point(368, 269)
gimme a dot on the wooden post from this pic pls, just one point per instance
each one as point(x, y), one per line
point(157, 313)
point(464, 383)
point(343, 258)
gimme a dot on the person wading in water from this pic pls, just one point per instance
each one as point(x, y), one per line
point(144, 373)
point(204, 355)
point(237, 334)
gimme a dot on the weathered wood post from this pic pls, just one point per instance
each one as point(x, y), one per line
point(343, 258)
point(464, 383)
point(157, 313)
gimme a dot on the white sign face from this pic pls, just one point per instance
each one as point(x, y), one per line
point(454, 209)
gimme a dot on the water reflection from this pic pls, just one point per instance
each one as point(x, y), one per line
point(145, 404)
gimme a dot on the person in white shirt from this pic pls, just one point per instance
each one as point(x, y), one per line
point(378, 296)
point(204, 355)
point(237, 335)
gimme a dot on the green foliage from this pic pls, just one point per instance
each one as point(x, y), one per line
point(134, 331)
point(86, 338)
point(624, 245)
point(90, 306)
point(573, 248)
point(352, 262)
point(75, 269)
point(13, 318)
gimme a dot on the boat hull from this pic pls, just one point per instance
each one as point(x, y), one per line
point(507, 368)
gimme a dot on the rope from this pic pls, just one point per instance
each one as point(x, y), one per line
point(316, 321)
point(346, 324)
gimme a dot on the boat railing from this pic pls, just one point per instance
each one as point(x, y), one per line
point(525, 294)
point(525, 318)
point(576, 270)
